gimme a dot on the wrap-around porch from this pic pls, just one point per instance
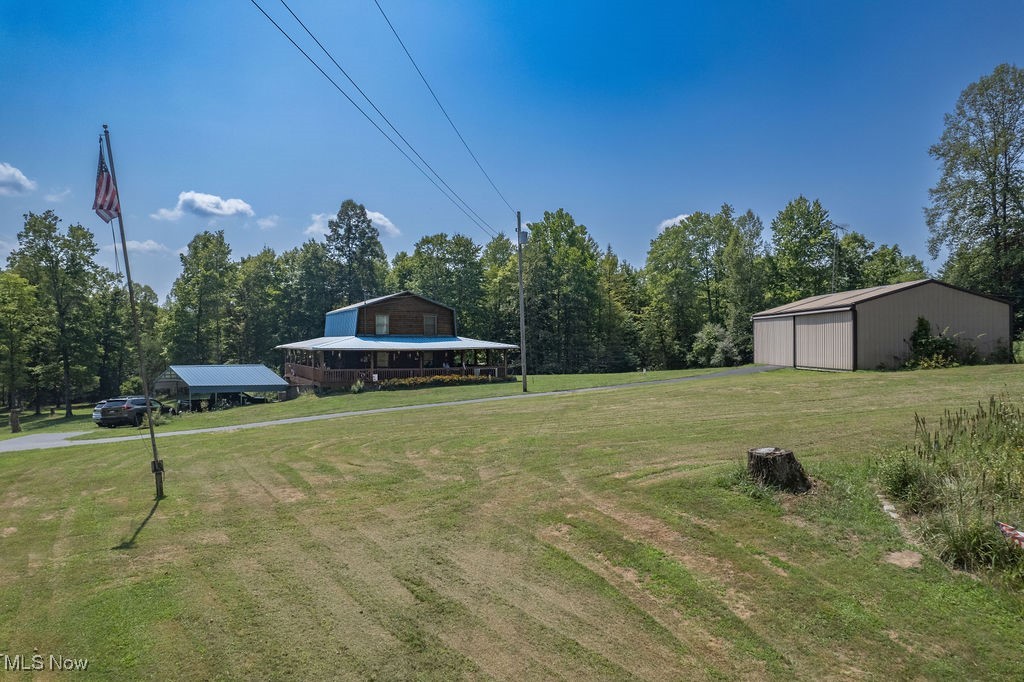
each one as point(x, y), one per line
point(343, 368)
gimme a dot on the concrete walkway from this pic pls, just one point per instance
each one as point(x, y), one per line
point(42, 441)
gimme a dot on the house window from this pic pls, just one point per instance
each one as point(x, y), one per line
point(382, 357)
point(382, 325)
point(430, 325)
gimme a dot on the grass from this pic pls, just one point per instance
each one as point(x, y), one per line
point(310, 404)
point(47, 423)
point(586, 536)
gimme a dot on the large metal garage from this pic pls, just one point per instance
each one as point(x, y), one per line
point(871, 328)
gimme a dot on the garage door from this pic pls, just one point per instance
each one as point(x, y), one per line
point(825, 340)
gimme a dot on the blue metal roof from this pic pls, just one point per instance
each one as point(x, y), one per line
point(341, 323)
point(396, 343)
point(223, 378)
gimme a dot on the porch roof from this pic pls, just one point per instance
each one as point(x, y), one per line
point(395, 343)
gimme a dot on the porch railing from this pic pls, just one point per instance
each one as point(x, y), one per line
point(340, 378)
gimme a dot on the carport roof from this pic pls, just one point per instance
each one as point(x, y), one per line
point(222, 378)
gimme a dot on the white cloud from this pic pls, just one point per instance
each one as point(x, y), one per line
point(268, 223)
point(135, 246)
point(669, 222)
point(57, 197)
point(148, 246)
point(319, 224)
point(13, 181)
point(205, 205)
point(383, 223)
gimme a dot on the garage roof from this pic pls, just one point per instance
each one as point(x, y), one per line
point(220, 378)
point(843, 300)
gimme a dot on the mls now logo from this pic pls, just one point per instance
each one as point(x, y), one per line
point(38, 662)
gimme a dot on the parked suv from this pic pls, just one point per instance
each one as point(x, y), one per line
point(127, 410)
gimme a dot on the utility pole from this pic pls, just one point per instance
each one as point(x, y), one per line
point(835, 250)
point(522, 297)
point(157, 464)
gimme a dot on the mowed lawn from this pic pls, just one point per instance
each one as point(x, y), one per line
point(587, 536)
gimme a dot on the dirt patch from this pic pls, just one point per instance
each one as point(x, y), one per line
point(904, 559)
point(8, 532)
point(14, 502)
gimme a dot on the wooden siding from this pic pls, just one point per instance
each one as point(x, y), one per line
point(405, 317)
point(884, 325)
point(825, 340)
point(773, 341)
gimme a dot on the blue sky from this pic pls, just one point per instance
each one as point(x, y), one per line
point(625, 114)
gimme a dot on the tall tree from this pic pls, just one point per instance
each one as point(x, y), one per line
point(255, 312)
point(888, 265)
point(616, 330)
point(61, 266)
point(802, 241)
point(18, 312)
point(675, 309)
point(448, 270)
point(306, 291)
point(197, 315)
point(113, 336)
point(500, 305)
point(560, 269)
point(353, 243)
point(977, 207)
point(744, 265)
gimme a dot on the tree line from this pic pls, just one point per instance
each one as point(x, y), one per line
point(65, 332)
point(66, 329)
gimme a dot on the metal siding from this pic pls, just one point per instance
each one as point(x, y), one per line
point(773, 341)
point(340, 323)
point(825, 341)
point(884, 325)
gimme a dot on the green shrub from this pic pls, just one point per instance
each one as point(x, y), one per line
point(440, 380)
point(931, 351)
point(713, 347)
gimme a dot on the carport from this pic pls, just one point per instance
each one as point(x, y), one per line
point(212, 380)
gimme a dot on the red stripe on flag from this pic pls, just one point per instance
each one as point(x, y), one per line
point(107, 205)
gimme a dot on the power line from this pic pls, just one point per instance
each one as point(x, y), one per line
point(337, 87)
point(441, 107)
point(381, 113)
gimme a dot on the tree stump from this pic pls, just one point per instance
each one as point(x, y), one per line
point(778, 468)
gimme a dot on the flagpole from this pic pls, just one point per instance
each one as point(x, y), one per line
point(158, 465)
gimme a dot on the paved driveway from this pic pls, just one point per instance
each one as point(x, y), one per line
point(43, 441)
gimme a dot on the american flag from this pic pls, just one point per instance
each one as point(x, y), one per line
point(1012, 534)
point(106, 205)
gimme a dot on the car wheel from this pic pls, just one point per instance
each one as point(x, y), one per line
point(136, 421)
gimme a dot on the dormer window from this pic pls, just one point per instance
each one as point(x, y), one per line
point(429, 325)
point(382, 325)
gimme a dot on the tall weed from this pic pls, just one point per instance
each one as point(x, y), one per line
point(961, 477)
